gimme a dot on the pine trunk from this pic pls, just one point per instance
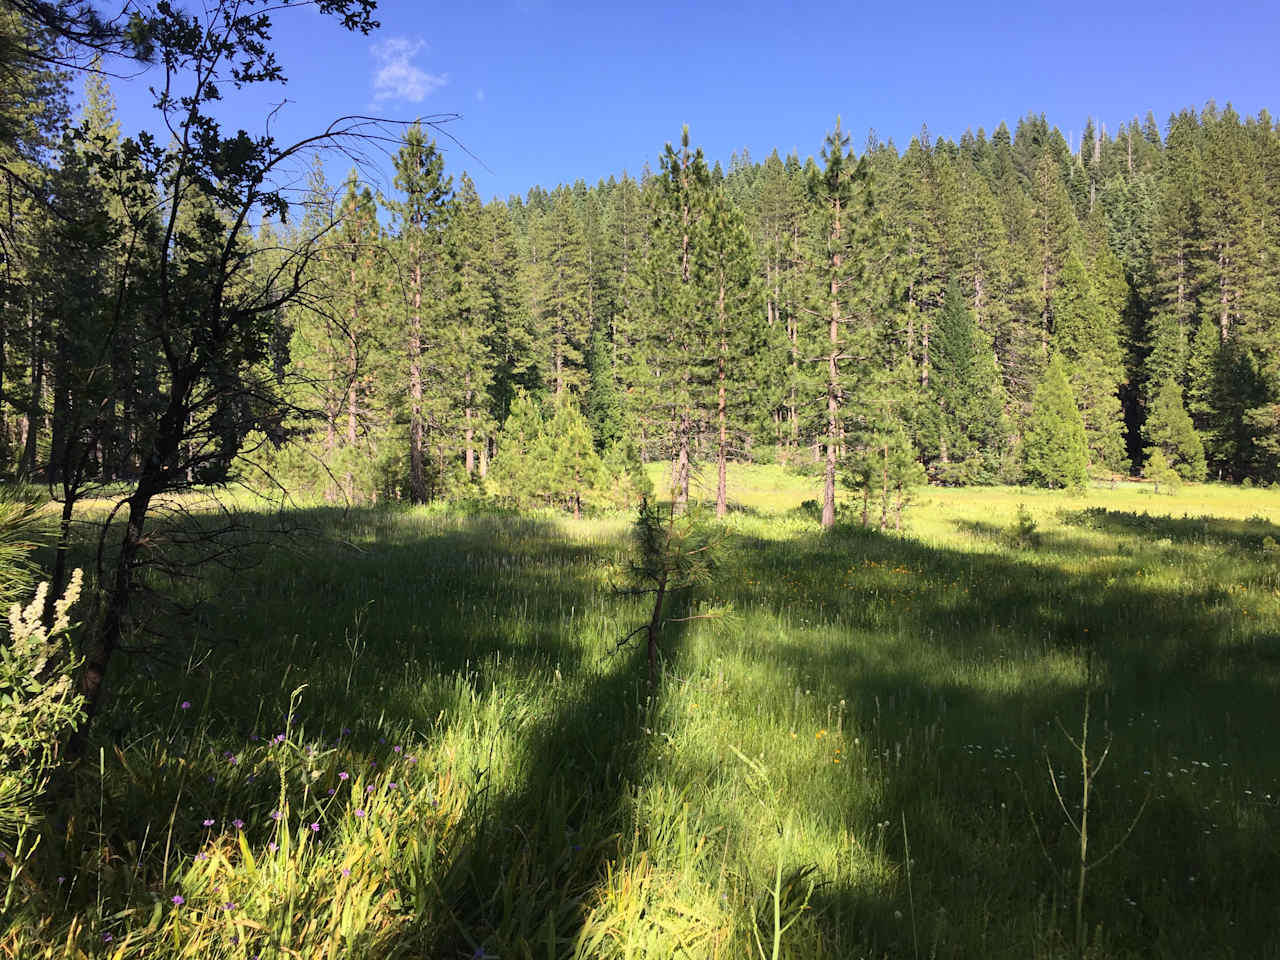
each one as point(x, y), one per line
point(58, 450)
point(470, 432)
point(330, 444)
point(1224, 318)
point(417, 470)
point(680, 477)
point(352, 418)
point(924, 354)
point(884, 489)
point(27, 466)
point(833, 388)
point(722, 453)
point(353, 368)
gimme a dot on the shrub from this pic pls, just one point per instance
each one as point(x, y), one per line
point(38, 703)
point(1024, 533)
point(1160, 471)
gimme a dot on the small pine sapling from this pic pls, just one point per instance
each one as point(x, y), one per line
point(1077, 814)
point(674, 555)
point(1159, 471)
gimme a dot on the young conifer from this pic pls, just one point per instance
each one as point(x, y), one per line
point(1055, 451)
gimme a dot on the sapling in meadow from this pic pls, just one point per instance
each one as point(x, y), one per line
point(675, 554)
point(1159, 471)
point(1090, 766)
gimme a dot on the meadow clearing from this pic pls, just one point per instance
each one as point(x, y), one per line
point(408, 733)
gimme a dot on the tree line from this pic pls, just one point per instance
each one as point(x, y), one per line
point(1003, 308)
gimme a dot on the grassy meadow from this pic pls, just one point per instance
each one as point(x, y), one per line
point(411, 733)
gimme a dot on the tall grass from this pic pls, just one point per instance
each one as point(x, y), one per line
point(512, 790)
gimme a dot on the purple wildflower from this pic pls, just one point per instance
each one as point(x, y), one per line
point(359, 813)
point(276, 814)
point(186, 704)
point(208, 823)
point(343, 775)
point(177, 900)
point(238, 824)
point(272, 846)
point(315, 827)
point(346, 871)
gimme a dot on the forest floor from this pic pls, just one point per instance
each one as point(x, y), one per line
point(409, 733)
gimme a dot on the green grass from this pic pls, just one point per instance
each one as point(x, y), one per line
point(850, 696)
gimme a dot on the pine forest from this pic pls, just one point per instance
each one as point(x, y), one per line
point(964, 308)
point(867, 550)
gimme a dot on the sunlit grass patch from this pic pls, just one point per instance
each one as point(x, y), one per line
point(849, 696)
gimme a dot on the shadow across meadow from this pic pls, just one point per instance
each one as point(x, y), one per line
point(404, 627)
point(957, 666)
point(963, 672)
point(1247, 534)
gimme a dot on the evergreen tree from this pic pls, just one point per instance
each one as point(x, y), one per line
point(572, 469)
point(964, 420)
point(603, 400)
point(1055, 451)
point(1175, 244)
point(467, 364)
point(508, 328)
point(1170, 432)
point(778, 229)
point(727, 268)
point(672, 328)
point(361, 392)
point(1160, 471)
point(1087, 339)
point(624, 254)
point(560, 294)
point(421, 218)
point(846, 289)
point(1055, 237)
point(523, 452)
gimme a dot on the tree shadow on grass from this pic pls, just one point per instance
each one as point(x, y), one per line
point(1246, 534)
point(963, 675)
point(404, 627)
point(956, 666)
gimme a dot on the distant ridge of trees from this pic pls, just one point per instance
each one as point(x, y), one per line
point(794, 310)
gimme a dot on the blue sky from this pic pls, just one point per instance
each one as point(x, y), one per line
point(550, 92)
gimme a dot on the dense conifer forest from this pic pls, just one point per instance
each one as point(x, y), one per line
point(363, 597)
point(971, 308)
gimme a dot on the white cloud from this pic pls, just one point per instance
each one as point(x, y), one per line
point(397, 78)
